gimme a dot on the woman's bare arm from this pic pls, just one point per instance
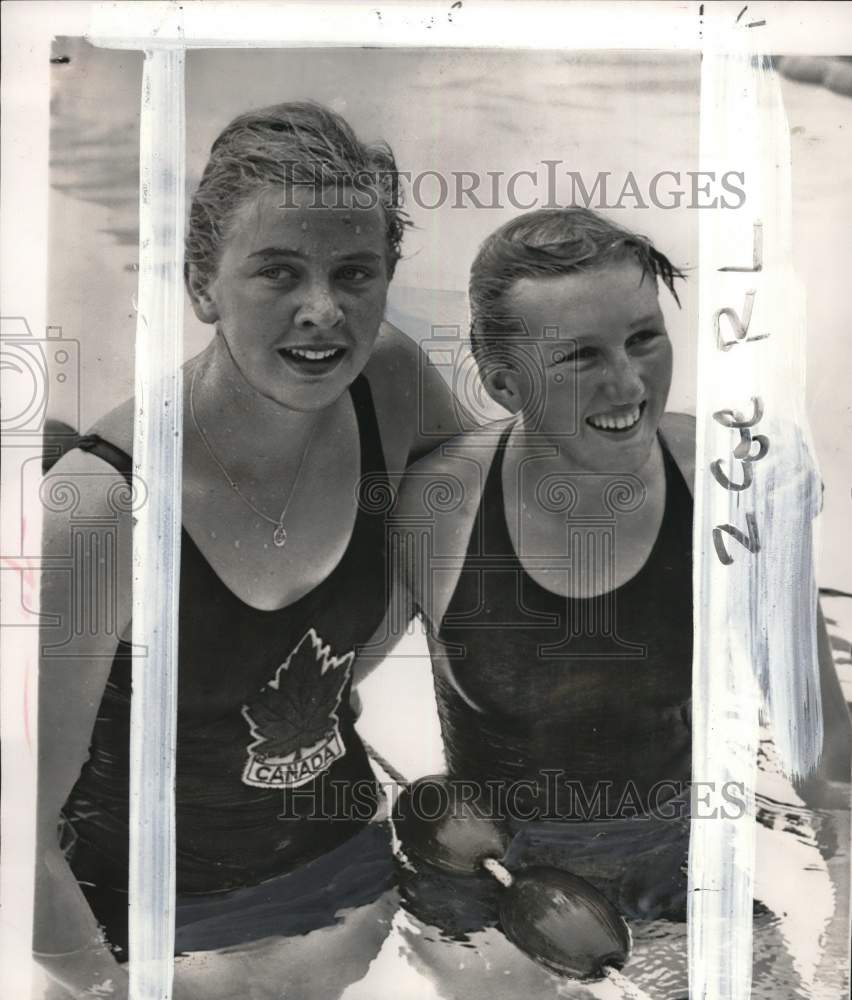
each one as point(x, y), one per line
point(77, 647)
point(416, 403)
point(398, 615)
point(428, 532)
point(418, 406)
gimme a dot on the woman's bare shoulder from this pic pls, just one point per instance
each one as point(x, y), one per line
point(392, 370)
point(117, 426)
point(392, 376)
point(80, 485)
point(80, 482)
point(450, 478)
point(83, 466)
point(439, 498)
point(392, 345)
point(416, 406)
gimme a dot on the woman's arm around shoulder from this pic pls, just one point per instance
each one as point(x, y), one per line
point(417, 409)
point(429, 529)
point(438, 501)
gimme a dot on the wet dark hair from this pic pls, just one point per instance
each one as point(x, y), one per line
point(288, 144)
point(544, 243)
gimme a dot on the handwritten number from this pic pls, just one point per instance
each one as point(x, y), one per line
point(728, 484)
point(756, 252)
point(734, 418)
point(739, 326)
point(743, 450)
point(751, 541)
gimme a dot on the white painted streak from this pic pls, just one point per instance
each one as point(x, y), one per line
point(23, 250)
point(755, 618)
point(156, 539)
point(578, 24)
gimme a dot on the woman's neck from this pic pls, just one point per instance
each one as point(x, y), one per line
point(247, 430)
point(556, 458)
point(534, 456)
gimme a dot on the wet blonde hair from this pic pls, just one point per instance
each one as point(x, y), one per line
point(296, 144)
point(544, 243)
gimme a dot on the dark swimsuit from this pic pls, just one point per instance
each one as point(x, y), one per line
point(599, 687)
point(575, 713)
point(272, 778)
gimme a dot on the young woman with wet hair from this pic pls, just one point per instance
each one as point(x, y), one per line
point(303, 394)
point(554, 578)
point(562, 642)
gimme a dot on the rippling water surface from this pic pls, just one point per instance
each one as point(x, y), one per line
point(800, 921)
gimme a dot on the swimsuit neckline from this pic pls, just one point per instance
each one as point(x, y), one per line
point(528, 582)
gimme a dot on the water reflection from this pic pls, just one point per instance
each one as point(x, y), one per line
point(450, 931)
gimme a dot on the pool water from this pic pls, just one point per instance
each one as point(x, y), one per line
point(800, 925)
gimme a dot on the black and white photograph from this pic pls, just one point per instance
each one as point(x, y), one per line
point(426, 549)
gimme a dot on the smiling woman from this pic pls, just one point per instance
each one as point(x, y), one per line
point(576, 654)
point(559, 617)
point(303, 393)
point(299, 294)
point(613, 363)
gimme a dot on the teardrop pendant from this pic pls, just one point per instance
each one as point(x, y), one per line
point(279, 536)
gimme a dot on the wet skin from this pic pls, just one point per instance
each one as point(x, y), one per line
point(596, 353)
point(300, 278)
point(611, 354)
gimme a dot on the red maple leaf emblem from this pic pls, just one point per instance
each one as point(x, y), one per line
point(298, 707)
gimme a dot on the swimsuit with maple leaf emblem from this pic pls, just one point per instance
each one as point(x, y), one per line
point(270, 770)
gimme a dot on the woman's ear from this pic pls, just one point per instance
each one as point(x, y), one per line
point(203, 303)
point(504, 384)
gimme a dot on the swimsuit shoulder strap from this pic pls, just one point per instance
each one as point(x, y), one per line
point(675, 535)
point(490, 528)
point(372, 452)
point(107, 452)
point(677, 432)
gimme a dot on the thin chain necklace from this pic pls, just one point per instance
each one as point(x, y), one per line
point(279, 534)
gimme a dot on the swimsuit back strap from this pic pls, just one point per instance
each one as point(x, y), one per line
point(109, 453)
